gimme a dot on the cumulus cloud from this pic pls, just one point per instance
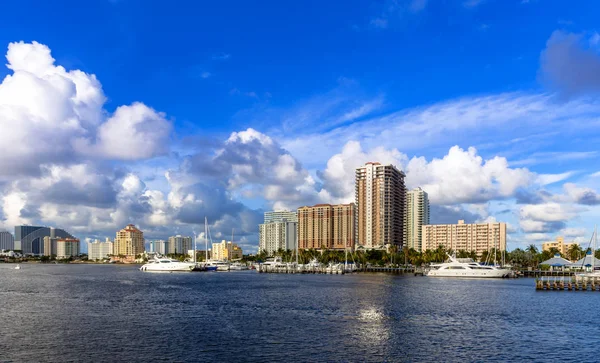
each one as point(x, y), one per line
point(546, 217)
point(586, 196)
point(571, 63)
point(462, 176)
point(49, 115)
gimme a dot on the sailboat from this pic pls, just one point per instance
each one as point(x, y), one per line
point(207, 264)
point(593, 274)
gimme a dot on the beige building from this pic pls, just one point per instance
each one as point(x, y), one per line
point(50, 246)
point(416, 215)
point(67, 247)
point(478, 237)
point(380, 203)
point(559, 244)
point(129, 242)
point(226, 251)
point(327, 226)
point(99, 250)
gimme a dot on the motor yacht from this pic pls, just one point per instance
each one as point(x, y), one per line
point(238, 266)
point(466, 267)
point(220, 265)
point(162, 264)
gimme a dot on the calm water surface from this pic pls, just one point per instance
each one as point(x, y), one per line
point(117, 313)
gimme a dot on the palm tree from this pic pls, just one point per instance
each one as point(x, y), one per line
point(532, 249)
point(574, 252)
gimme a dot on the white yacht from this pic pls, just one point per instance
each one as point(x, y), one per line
point(220, 265)
point(17, 267)
point(238, 266)
point(163, 264)
point(466, 267)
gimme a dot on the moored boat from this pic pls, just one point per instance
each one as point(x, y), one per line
point(466, 267)
point(162, 264)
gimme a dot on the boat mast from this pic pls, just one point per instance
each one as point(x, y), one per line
point(195, 247)
point(228, 257)
point(594, 250)
point(206, 239)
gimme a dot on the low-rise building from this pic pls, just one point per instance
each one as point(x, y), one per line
point(226, 251)
point(559, 244)
point(478, 237)
point(99, 250)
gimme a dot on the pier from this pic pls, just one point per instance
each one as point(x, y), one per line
point(574, 283)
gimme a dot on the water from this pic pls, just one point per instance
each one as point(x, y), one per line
point(117, 313)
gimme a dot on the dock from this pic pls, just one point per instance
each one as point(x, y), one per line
point(575, 283)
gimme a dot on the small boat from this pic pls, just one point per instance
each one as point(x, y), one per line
point(466, 267)
point(161, 264)
point(217, 265)
point(17, 267)
point(238, 266)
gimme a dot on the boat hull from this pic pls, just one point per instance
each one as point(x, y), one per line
point(470, 274)
point(175, 268)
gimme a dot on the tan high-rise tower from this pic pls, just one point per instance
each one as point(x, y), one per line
point(380, 195)
point(129, 241)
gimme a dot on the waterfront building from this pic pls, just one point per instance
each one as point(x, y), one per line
point(50, 246)
point(159, 246)
point(280, 216)
point(559, 244)
point(67, 247)
point(416, 215)
point(31, 238)
point(280, 231)
point(380, 194)
point(478, 237)
point(226, 251)
point(7, 241)
point(327, 226)
point(180, 245)
point(129, 242)
point(99, 250)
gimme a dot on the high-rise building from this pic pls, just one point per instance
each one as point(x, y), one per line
point(50, 246)
point(180, 245)
point(99, 250)
point(326, 226)
point(67, 247)
point(226, 251)
point(159, 246)
point(478, 237)
point(129, 242)
point(416, 215)
point(380, 195)
point(279, 233)
point(31, 238)
point(280, 216)
point(7, 241)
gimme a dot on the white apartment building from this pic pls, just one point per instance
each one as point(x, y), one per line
point(99, 250)
point(478, 237)
point(280, 216)
point(277, 235)
point(416, 215)
point(159, 246)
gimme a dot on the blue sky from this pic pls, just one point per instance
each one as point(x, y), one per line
point(254, 106)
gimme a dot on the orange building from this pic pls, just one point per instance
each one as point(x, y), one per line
point(326, 226)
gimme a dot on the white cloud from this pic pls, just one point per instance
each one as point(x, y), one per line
point(464, 177)
point(49, 115)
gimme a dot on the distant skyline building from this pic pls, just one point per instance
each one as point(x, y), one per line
point(278, 233)
point(31, 238)
point(179, 244)
point(226, 251)
point(7, 241)
point(98, 250)
point(280, 216)
point(478, 237)
point(380, 202)
point(67, 247)
point(129, 242)
point(416, 215)
point(327, 226)
point(159, 246)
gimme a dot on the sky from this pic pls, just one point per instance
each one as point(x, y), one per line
point(163, 113)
